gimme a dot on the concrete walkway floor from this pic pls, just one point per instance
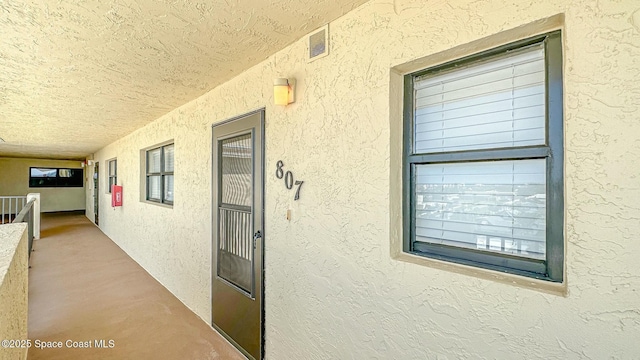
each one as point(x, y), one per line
point(83, 289)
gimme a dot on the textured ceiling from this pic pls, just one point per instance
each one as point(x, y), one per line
point(76, 75)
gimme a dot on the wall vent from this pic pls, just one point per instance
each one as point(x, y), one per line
point(318, 44)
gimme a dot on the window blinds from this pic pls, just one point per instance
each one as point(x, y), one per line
point(493, 104)
point(154, 187)
point(492, 205)
point(168, 158)
point(153, 161)
point(168, 187)
point(497, 206)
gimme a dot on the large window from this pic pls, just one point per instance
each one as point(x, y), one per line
point(159, 180)
point(483, 160)
point(55, 177)
point(113, 173)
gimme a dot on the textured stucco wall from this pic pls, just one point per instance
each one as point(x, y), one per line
point(332, 289)
point(65, 63)
point(14, 181)
point(14, 277)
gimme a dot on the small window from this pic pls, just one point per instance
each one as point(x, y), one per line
point(483, 160)
point(55, 177)
point(159, 179)
point(113, 173)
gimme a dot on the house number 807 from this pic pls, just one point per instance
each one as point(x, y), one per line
point(288, 179)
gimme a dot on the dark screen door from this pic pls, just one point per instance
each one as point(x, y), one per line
point(96, 192)
point(237, 288)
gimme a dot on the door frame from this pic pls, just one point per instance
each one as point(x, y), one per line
point(96, 193)
point(214, 212)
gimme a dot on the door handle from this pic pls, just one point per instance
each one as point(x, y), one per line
point(257, 235)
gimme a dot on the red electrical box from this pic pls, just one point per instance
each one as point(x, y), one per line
point(116, 195)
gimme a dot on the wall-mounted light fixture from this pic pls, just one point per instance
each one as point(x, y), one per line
point(283, 91)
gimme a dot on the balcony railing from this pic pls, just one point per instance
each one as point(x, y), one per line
point(10, 207)
point(18, 209)
point(27, 214)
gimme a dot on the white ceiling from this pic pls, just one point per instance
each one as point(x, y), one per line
point(75, 75)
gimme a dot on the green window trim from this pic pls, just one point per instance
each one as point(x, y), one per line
point(551, 268)
point(162, 175)
point(112, 173)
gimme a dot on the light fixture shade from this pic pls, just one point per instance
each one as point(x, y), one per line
point(283, 91)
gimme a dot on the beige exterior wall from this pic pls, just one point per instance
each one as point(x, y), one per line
point(14, 181)
point(332, 289)
point(14, 280)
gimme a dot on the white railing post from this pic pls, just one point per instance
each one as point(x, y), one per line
point(36, 213)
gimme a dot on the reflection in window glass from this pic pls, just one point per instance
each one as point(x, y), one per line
point(65, 173)
point(168, 187)
point(498, 206)
point(39, 172)
point(55, 177)
point(154, 187)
